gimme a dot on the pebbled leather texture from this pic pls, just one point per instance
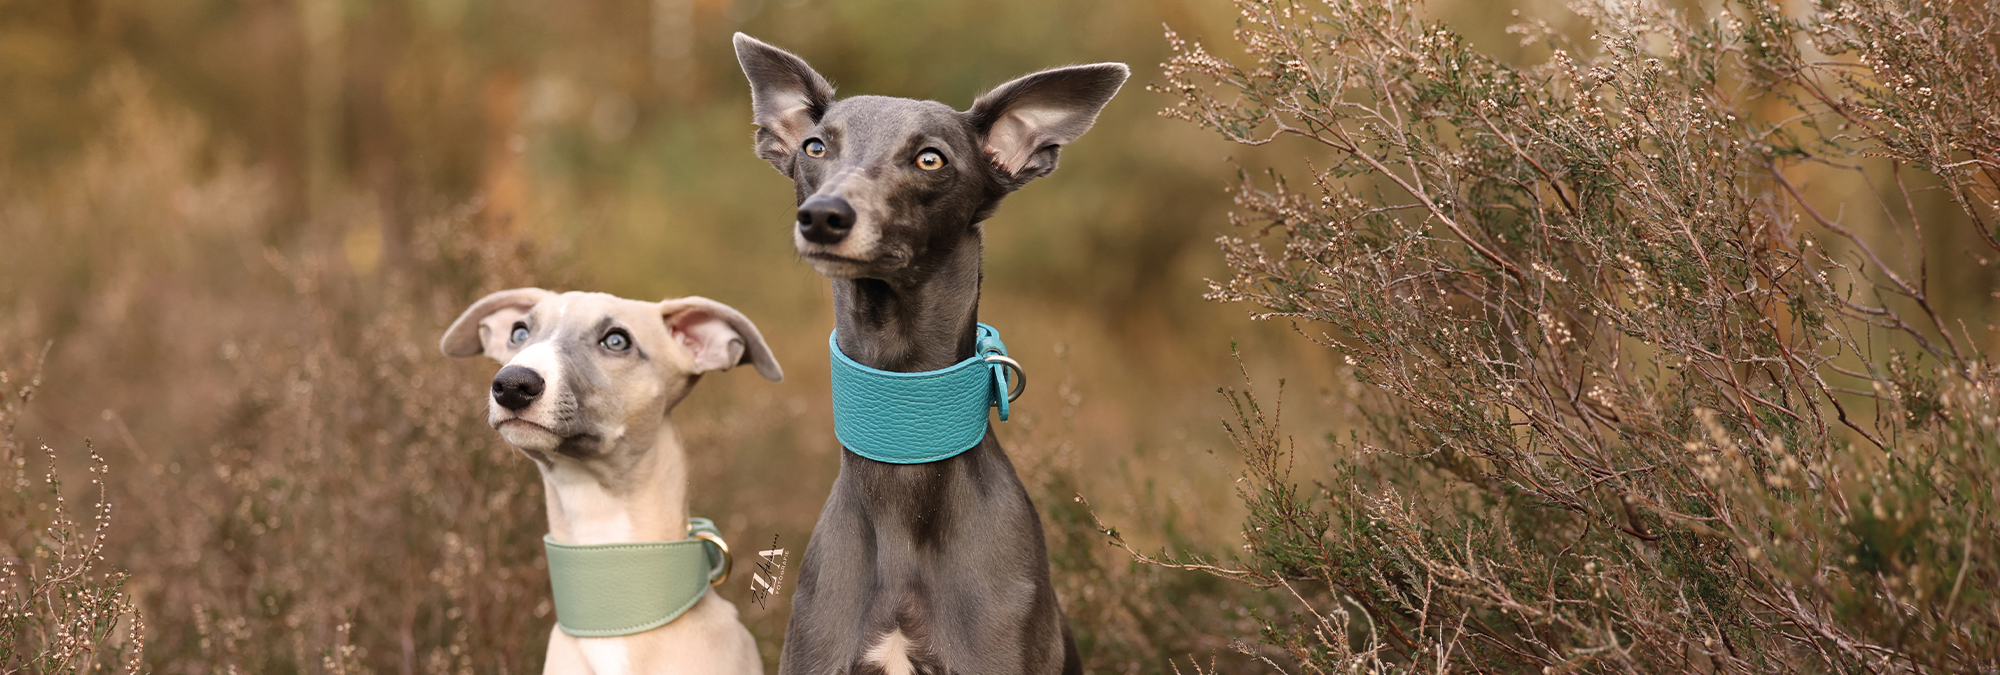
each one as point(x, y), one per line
point(913, 418)
point(604, 590)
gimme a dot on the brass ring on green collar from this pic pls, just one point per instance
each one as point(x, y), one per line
point(728, 561)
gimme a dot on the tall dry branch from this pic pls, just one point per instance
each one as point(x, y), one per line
point(1677, 339)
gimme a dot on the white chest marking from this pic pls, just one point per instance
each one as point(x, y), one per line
point(892, 654)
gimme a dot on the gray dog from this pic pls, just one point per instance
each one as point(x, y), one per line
point(936, 567)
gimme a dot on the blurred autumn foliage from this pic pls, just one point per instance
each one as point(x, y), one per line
point(238, 226)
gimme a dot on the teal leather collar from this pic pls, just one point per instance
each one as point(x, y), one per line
point(604, 590)
point(913, 418)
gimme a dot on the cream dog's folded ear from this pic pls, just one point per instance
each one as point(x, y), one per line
point(718, 336)
point(485, 327)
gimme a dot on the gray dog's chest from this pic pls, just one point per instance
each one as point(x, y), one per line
point(948, 578)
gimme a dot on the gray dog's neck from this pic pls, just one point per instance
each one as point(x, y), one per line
point(924, 321)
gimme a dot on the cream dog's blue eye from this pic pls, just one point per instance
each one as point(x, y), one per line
point(519, 336)
point(617, 341)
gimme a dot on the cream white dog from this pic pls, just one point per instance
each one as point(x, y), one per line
point(587, 392)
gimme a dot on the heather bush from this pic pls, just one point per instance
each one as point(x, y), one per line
point(1664, 371)
point(353, 511)
point(61, 611)
point(243, 241)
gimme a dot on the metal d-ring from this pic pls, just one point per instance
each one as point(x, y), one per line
point(728, 561)
point(1020, 375)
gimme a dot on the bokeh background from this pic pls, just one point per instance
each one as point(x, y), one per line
point(236, 229)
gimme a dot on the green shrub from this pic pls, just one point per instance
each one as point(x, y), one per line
point(1669, 362)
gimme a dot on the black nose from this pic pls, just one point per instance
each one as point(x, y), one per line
point(516, 387)
point(825, 220)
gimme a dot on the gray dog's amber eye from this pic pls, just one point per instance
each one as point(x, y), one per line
point(617, 341)
point(519, 335)
point(930, 160)
point(815, 148)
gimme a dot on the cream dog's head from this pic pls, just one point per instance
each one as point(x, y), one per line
point(591, 376)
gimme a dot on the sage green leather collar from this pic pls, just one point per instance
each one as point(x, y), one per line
point(604, 590)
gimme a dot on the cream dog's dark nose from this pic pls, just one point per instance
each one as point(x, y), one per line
point(517, 387)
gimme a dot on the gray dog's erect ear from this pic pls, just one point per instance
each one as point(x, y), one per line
point(485, 326)
point(1025, 123)
point(786, 99)
point(718, 336)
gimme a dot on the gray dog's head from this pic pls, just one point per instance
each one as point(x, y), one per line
point(587, 374)
point(885, 185)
